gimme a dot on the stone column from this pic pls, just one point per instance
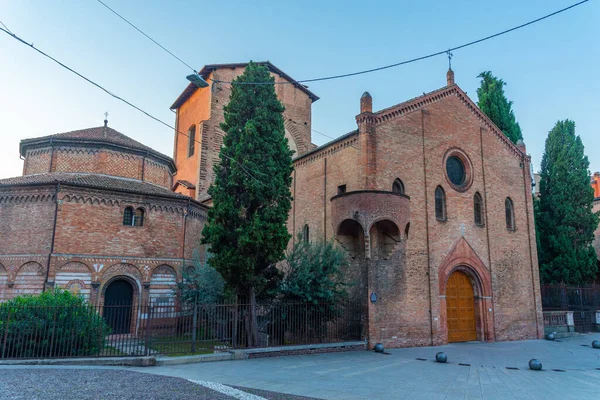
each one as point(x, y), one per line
point(570, 322)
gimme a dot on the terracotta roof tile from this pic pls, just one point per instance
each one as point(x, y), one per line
point(92, 181)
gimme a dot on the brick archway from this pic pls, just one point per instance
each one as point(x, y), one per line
point(464, 259)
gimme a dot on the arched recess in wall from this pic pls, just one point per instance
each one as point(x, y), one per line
point(384, 235)
point(351, 237)
point(3, 283)
point(291, 142)
point(30, 279)
point(162, 285)
point(76, 277)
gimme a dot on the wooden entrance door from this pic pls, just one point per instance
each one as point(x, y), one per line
point(460, 308)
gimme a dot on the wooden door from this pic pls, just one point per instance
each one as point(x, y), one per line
point(460, 308)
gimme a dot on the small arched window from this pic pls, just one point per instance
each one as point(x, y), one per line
point(440, 204)
point(128, 216)
point(478, 209)
point(191, 140)
point(510, 214)
point(398, 186)
point(305, 233)
point(139, 217)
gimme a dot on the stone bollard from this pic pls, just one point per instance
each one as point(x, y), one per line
point(596, 344)
point(551, 336)
point(441, 357)
point(379, 348)
point(535, 365)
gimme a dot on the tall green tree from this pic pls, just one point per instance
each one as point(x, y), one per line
point(493, 102)
point(564, 216)
point(246, 227)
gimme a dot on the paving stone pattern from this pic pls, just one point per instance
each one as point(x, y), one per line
point(401, 375)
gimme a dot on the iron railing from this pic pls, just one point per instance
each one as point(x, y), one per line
point(170, 329)
point(582, 300)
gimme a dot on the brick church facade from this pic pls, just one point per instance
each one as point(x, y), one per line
point(429, 199)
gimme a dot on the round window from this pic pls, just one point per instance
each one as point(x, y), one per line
point(456, 171)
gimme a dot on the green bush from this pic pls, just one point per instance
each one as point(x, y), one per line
point(51, 324)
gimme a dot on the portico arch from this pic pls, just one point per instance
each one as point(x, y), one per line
point(463, 260)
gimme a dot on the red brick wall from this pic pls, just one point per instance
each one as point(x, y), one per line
point(204, 109)
point(100, 161)
point(37, 161)
point(26, 221)
point(88, 224)
point(411, 145)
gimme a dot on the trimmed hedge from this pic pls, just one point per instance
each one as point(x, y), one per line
point(51, 324)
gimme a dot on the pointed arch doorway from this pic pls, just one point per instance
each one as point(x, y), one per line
point(460, 308)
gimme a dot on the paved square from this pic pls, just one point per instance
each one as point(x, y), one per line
point(400, 375)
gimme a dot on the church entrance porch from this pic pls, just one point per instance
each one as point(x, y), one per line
point(118, 302)
point(460, 308)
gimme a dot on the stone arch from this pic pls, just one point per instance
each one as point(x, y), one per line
point(30, 279)
point(292, 132)
point(3, 283)
point(75, 277)
point(464, 259)
point(384, 236)
point(351, 236)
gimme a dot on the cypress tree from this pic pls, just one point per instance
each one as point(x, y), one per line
point(493, 102)
point(564, 215)
point(246, 227)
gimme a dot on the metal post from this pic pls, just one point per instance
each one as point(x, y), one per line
point(7, 327)
point(194, 326)
point(148, 321)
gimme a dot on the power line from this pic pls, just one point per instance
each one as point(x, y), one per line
point(5, 26)
point(446, 51)
point(14, 36)
point(462, 46)
point(142, 32)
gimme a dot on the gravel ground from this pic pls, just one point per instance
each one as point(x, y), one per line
point(61, 384)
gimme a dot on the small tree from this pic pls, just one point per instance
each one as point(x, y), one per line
point(246, 227)
point(201, 284)
point(564, 216)
point(314, 273)
point(496, 106)
point(314, 276)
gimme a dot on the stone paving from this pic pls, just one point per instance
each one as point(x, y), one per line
point(401, 375)
point(474, 371)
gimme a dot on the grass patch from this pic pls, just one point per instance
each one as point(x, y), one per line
point(110, 351)
point(182, 346)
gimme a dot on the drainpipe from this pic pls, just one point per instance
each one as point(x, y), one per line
point(427, 229)
point(184, 232)
point(53, 234)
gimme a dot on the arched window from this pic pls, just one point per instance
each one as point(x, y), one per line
point(191, 140)
point(478, 209)
point(305, 233)
point(128, 216)
point(510, 214)
point(139, 217)
point(440, 204)
point(398, 186)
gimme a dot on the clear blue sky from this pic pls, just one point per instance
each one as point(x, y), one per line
point(552, 68)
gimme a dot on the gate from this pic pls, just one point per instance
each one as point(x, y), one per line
point(582, 301)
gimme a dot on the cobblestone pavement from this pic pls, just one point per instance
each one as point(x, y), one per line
point(89, 383)
point(475, 371)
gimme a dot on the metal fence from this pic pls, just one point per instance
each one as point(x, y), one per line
point(582, 300)
point(170, 329)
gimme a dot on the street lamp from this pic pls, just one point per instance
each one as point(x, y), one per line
point(197, 80)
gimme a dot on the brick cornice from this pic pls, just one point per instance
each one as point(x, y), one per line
point(419, 102)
